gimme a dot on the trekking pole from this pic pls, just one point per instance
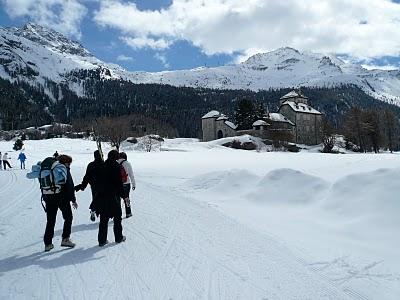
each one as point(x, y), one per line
point(98, 142)
point(41, 202)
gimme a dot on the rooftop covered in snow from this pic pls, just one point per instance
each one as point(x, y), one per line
point(293, 94)
point(260, 123)
point(212, 114)
point(302, 108)
point(230, 124)
point(277, 117)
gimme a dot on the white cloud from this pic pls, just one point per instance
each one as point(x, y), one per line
point(163, 59)
point(145, 42)
point(368, 28)
point(124, 58)
point(376, 67)
point(62, 15)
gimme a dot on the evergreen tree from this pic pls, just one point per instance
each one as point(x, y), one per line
point(245, 114)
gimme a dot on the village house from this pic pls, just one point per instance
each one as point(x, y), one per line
point(216, 126)
point(295, 121)
point(308, 121)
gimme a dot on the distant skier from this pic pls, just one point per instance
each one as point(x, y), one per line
point(91, 177)
point(55, 155)
point(110, 192)
point(22, 158)
point(1, 161)
point(128, 180)
point(5, 161)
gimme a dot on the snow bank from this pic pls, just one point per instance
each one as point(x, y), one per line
point(242, 139)
point(372, 195)
point(223, 183)
point(289, 186)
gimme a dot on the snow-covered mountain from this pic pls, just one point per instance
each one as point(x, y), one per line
point(36, 54)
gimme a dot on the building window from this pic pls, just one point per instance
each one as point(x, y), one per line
point(220, 134)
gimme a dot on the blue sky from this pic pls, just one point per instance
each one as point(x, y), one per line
point(180, 34)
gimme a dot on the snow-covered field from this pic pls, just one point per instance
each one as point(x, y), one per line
point(213, 223)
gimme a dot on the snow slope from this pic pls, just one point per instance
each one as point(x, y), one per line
point(215, 223)
point(48, 54)
point(34, 53)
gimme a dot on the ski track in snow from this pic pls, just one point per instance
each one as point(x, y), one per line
point(176, 248)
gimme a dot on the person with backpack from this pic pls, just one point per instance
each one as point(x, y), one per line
point(128, 180)
point(108, 200)
point(57, 189)
point(5, 161)
point(22, 158)
point(91, 177)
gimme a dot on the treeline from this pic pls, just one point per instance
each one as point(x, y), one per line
point(179, 108)
point(183, 107)
point(370, 130)
point(22, 105)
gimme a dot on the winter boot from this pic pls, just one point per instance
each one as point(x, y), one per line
point(103, 244)
point(92, 216)
point(67, 243)
point(123, 239)
point(47, 248)
point(128, 215)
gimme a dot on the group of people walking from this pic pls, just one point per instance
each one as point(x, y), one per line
point(110, 181)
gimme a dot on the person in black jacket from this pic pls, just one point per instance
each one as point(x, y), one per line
point(108, 200)
point(60, 201)
point(91, 177)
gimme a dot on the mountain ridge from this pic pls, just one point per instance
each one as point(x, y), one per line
point(35, 54)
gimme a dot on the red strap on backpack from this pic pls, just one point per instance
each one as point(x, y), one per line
point(124, 174)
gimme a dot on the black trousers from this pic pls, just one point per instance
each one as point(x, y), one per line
point(5, 164)
point(53, 203)
point(103, 225)
point(127, 190)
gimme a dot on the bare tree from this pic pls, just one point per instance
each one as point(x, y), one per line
point(113, 130)
point(353, 128)
point(329, 138)
point(280, 137)
point(372, 128)
point(364, 128)
point(390, 128)
point(151, 142)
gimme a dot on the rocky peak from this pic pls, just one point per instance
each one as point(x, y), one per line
point(262, 61)
point(51, 38)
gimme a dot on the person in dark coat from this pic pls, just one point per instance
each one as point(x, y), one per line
point(108, 200)
point(91, 177)
point(61, 201)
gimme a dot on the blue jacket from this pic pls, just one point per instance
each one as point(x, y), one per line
point(22, 157)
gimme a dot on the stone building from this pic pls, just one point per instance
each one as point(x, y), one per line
point(216, 126)
point(308, 121)
point(295, 121)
